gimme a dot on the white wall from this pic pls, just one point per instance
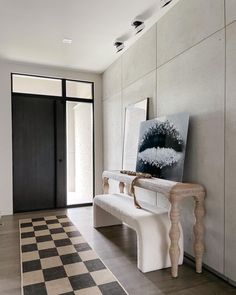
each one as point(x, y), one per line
point(180, 64)
point(6, 68)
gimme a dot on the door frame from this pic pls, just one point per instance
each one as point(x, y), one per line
point(62, 98)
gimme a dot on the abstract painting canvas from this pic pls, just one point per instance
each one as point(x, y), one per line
point(162, 145)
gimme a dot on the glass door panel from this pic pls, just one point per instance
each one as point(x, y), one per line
point(79, 152)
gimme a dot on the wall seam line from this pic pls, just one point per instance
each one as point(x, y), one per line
point(225, 93)
point(121, 113)
point(146, 74)
point(229, 24)
point(128, 85)
point(157, 197)
point(112, 95)
point(189, 48)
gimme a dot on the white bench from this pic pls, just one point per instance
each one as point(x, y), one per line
point(152, 227)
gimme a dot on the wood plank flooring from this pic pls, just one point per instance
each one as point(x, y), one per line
point(117, 248)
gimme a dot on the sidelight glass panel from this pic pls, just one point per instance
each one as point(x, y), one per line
point(79, 153)
point(77, 89)
point(36, 85)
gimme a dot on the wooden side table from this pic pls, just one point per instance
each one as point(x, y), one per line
point(174, 192)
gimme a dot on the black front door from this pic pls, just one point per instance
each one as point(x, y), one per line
point(38, 155)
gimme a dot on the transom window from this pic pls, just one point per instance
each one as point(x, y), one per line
point(51, 86)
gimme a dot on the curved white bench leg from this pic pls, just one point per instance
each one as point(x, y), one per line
point(102, 218)
point(153, 244)
point(152, 229)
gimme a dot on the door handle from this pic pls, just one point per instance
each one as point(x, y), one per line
point(60, 160)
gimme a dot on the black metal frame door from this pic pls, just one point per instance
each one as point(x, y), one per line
point(39, 152)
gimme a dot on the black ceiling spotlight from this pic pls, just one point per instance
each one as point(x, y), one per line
point(138, 25)
point(119, 45)
point(165, 2)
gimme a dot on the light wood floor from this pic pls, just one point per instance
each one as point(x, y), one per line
point(117, 248)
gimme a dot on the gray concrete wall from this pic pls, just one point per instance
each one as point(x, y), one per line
point(187, 62)
point(230, 142)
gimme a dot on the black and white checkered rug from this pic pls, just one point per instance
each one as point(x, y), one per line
point(56, 259)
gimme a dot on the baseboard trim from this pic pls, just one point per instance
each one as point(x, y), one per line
point(189, 259)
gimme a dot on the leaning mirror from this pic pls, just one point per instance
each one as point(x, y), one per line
point(134, 115)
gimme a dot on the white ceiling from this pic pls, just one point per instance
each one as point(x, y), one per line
point(32, 31)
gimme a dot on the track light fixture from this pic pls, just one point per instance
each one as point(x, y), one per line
point(119, 45)
point(165, 2)
point(138, 25)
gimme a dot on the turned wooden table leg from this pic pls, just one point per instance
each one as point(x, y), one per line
point(121, 187)
point(105, 185)
point(198, 230)
point(128, 189)
point(174, 238)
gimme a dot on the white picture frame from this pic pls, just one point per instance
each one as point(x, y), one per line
point(134, 115)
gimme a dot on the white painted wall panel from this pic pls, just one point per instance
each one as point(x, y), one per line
point(6, 182)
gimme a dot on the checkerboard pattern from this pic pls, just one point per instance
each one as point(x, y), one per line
point(56, 259)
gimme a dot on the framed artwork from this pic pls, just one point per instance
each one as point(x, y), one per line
point(134, 115)
point(161, 147)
